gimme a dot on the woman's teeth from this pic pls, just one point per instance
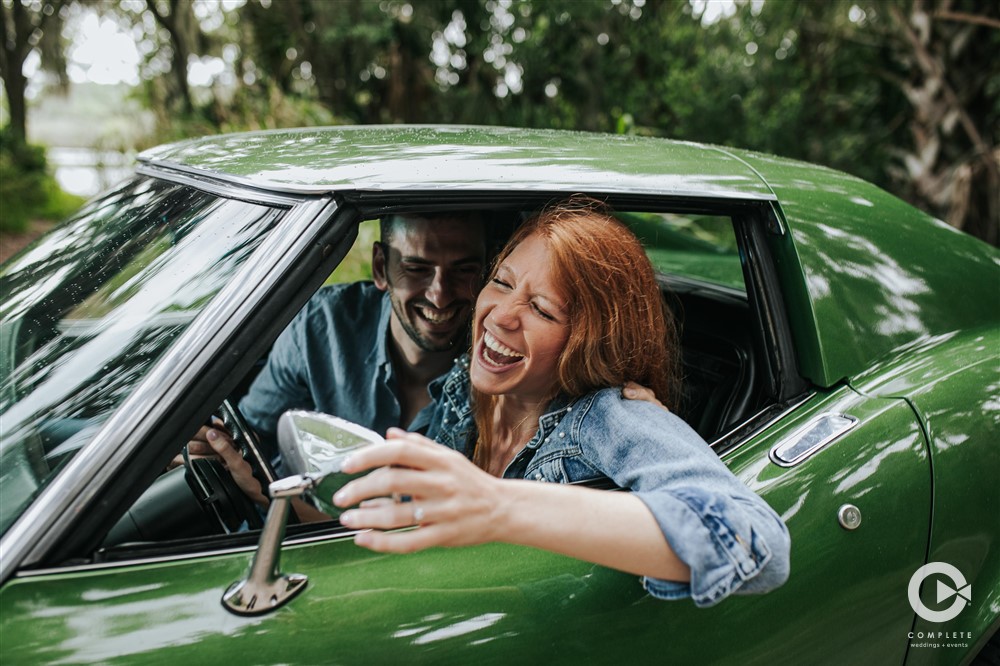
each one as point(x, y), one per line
point(502, 354)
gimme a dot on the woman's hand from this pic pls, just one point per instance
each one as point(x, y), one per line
point(454, 502)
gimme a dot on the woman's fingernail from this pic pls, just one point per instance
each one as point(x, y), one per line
point(212, 435)
point(347, 518)
point(339, 497)
point(346, 465)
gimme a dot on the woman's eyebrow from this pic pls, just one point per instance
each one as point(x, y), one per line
point(550, 301)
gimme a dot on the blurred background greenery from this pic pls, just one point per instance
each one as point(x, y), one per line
point(904, 93)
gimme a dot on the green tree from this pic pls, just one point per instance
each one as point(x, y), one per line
point(905, 93)
point(24, 26)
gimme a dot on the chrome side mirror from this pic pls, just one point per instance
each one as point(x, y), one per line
point(316, 445)
point(313, 447)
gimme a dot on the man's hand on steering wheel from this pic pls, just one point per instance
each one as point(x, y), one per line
point(221, 444)
point(199, 446)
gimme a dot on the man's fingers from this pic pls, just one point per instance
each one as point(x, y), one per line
point(634, 391)
point(199, 448)
point(223, 446)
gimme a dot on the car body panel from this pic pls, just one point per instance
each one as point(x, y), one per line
point(957, 369)
point(498, 603)
point(864, 273)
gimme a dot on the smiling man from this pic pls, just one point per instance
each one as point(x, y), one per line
point(366, 351)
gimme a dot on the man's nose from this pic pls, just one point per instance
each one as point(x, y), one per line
point(440, 291)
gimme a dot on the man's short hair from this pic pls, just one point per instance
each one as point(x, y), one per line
point(389, 224)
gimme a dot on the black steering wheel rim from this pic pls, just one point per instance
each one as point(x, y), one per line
point(214, 488)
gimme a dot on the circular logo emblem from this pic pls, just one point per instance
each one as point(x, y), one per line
point(959, 589)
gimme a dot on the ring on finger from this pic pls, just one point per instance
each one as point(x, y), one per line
point(418, 515)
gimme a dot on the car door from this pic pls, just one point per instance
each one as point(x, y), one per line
point(845, 599)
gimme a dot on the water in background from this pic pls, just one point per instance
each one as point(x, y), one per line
point(86, 172)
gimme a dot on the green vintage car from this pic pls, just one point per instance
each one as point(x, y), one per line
point(840, 353)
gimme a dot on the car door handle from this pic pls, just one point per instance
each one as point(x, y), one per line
point(808, 440)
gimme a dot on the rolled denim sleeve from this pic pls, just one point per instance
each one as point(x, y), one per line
point(728, 536)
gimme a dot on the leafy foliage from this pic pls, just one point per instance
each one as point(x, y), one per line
point(904, 93)
point(26, 188)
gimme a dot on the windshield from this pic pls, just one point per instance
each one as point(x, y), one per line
point(87, 312)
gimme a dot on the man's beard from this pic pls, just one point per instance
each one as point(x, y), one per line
point(426, 344)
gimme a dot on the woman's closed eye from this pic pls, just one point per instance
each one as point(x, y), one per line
point(500, 283)
point(541, 312)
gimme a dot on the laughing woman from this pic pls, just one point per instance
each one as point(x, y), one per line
point(571, 308)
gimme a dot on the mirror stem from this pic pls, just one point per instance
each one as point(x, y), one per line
point(265, 588)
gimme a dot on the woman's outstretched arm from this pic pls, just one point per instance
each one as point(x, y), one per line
point(457, 504)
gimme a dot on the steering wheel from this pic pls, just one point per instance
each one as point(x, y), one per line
point(219, 496)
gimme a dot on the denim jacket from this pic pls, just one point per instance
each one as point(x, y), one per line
point(729, 537)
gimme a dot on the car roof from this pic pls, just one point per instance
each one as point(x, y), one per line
point(320, 160)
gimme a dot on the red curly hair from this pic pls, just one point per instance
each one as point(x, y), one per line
point(619, 327)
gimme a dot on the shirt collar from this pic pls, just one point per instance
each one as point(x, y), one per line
point(557, 409)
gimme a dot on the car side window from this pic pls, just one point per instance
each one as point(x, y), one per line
point(357, 265)
point(697, 259)
point(701, 247)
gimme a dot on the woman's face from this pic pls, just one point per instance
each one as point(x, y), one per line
point(521, 326)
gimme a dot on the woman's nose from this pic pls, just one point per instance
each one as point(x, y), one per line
point(505, 314)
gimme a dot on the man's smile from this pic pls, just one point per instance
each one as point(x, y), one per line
point(435, 316)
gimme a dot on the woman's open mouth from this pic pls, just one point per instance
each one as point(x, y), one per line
point(496, 354)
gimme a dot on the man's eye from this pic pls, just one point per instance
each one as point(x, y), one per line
point(416, 270)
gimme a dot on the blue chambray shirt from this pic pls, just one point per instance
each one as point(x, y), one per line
point(729, 537)
point(333, 358)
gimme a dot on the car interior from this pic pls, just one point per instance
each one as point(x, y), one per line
point(699, 267)
point(722, 384)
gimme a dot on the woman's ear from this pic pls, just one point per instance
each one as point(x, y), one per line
point(379, 260)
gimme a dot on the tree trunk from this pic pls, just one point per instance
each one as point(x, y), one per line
point(16, 84)
point(172, 23)
point(15, 31)
point(959, 184)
